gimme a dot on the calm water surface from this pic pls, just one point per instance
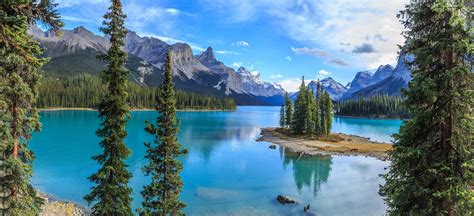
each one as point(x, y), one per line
point(226, 171)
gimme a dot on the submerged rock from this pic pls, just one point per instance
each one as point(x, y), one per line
point(272, 146)
point(285, 200)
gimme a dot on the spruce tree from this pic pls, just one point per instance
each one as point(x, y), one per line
point(319, 119)
point(300, 114)
point(323, 114)
point(282, 115)
point(288, 111)
point(312, 112)
point(328, 113)
point(431, 169)
point(111, 194)
point(19, 78)
point(161, 196)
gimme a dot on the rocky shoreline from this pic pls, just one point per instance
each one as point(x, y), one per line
point(336, 144)
point(54, 207)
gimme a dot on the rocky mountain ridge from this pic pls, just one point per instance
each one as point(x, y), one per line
point(386, 80)
point(201, 73)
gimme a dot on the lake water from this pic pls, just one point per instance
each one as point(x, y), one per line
point(226, 171)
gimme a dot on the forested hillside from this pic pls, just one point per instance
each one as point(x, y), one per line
point(378, 106)
point(86, 90)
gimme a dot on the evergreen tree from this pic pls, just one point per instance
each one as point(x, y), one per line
point(300, 114)
point(288, 111)
point(111, 194)
point(323, 115)
point(312, 112)
point(374, 106)
point(431, 169)
point(161, 197)
point(85, 90)
point(19, 77)
point(317, 110)
point(282, 115)
point(328, 113)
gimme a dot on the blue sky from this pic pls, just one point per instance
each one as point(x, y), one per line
point(282, 40)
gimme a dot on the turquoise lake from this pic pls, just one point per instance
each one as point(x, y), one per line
point(226, 171)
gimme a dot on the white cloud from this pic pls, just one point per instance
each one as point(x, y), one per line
point(335, 26)
point(276, 76)
point(197, 48)
point(224, 52)
point(237, 64)
point(292, 85)
point(310, 51)
point(318, 53)
point(323, 73)
point(172, 11)
point(288, 58)
point(76, 19)
point(241, 44)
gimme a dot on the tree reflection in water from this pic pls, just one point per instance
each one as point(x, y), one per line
point(308, 171)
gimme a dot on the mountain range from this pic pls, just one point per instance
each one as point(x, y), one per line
point(75, 52)
point(386, 80)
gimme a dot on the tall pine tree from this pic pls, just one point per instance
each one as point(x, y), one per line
point(288, 111)
point(312, 112)
point(327, 113)
point(282, 115)
point(161, 196)
point(319, 105)
point(19, 78)
point(111, 194)
point(431, 169)
point(300, 114)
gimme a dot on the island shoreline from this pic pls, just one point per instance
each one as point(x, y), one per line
point(349, 145)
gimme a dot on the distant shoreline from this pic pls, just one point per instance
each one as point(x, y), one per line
point(336, 144)
point(370, 117)
point(133, 109)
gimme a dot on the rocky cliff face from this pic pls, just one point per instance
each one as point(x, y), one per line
point(231, 81)
point(72, 41)
point(396, 79)
point(383, 72)
point(329, 85)
point(335, 89)
point(361, 80)
point(242, 81)
point(252, 84)
point(149, 49)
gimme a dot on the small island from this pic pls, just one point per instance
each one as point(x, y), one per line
point(334, 144)
point(305, 128)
